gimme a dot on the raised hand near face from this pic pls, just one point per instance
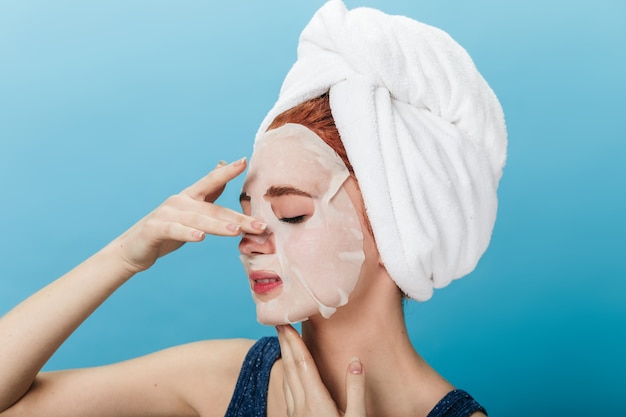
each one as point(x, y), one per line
point(185, 217)
point(305, 393)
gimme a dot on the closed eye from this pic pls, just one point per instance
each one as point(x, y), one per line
point(293, 220)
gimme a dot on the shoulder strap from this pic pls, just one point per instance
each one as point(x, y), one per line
point(457, 403)
point(250, 396)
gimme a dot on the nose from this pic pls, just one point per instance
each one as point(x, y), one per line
point(262, 244)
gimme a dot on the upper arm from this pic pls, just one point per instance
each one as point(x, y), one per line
point(192, 380)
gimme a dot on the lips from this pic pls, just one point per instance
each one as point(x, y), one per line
point(264, 282)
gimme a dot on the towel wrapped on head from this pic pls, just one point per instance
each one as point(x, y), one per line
point(423, 131)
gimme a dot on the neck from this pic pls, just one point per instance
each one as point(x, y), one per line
point(398, 380)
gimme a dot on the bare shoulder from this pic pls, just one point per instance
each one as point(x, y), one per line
point(220, 354)
point(194, 380)
point(201, 375)
point(208, 371)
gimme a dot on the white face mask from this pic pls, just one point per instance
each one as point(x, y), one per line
point(309, 258)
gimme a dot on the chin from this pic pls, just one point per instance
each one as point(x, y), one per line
point(275, 316)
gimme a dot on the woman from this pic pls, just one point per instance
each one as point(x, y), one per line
point(366, 185)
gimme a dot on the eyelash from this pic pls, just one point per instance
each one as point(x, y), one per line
point(293, 220)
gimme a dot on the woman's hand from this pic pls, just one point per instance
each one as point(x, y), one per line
point(305, 393)
point(185, 217)
point(33, 331)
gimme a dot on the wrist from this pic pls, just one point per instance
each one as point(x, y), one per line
point(112, 257)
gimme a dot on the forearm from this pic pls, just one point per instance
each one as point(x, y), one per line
point(34, 330)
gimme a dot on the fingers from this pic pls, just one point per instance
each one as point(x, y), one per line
point(289, 400)
point(211, 186)
point(305, 392)
point(294, 362)
point(210, 218)
point(207, 217)
point(355, 389)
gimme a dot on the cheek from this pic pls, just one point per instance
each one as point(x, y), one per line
point(310, 249)
point(330, 245)
point(326, 258)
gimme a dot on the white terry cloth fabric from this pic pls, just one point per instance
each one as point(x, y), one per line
point(423, 130)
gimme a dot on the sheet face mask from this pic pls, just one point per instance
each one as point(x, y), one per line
point(309, 258)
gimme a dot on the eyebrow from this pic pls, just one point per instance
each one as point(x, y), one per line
point(278, 191)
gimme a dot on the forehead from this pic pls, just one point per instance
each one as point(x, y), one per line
point(292, 153)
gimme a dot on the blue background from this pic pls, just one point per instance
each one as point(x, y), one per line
point(107, 107)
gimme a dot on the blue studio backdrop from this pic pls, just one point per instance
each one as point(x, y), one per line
point(108, 107)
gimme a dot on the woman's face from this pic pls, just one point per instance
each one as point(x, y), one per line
point(309, 259)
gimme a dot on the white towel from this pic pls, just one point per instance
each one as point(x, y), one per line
point(423, 130)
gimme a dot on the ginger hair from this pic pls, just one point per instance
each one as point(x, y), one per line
point(316, 115)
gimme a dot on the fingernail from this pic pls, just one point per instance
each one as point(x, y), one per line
point(258, 225)
point(240, 162)
point(356, 367)
point(197, 234)
point(234, 227)
point(221, 163)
